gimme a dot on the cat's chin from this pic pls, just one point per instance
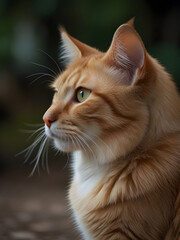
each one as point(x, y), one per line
point(64, 146)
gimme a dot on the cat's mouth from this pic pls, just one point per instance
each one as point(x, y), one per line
point(60, 137)
point(64, 139)
point(65, 143)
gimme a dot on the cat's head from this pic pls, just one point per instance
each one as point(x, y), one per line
point(98, 105)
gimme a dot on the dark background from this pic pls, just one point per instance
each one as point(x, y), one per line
point(26, 28)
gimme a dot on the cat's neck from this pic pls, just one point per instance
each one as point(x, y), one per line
point(164, 106)
point(87, 171)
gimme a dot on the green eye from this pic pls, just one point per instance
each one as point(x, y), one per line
point(82, 94)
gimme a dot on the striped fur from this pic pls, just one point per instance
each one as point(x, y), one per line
point(125, 139)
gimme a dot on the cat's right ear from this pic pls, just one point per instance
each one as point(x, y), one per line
point(127, 52)
point(72, 49)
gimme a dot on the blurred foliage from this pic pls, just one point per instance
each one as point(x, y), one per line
point(29, 25)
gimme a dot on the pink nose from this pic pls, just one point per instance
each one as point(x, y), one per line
point(48, 121)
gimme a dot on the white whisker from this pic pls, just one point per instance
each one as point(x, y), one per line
point(45, 157)
point(83, 141)
point(41, 130)
point(36, 74)
point(30, 149)
point(43, 75)
point(80, 144)
point(76, 142)
point(84, 145)
point(34, 124)
point(41, 139)
point(31, 131)
point(97, 144)
point(40, 65)
point(51, 59)
point(33, 146)
point(37, 158)
point(46, 162)
point(67, 137)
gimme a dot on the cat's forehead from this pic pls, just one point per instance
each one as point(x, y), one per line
point(71, 79)
point(77, 75)
point(92, 74)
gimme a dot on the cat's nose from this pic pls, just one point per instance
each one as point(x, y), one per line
point(48, 121)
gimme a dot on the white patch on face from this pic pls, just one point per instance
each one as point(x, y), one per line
point(62, 140)
point(47, 131)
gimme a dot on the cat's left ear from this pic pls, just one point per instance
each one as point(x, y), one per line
point(72, 49)
point(127, 52)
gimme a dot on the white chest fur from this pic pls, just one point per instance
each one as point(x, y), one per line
point(87, 173)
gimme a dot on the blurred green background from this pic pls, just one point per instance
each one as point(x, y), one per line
point(27, 27)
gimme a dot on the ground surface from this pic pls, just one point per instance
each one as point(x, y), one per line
point(35, 208)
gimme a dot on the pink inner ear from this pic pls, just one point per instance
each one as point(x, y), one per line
point(133, 48)
point(126, 51)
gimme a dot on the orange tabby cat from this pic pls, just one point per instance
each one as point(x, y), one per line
point(119, 113)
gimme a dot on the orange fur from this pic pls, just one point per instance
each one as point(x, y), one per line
point(125, 139)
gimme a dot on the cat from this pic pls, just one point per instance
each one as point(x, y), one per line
point(118, 112)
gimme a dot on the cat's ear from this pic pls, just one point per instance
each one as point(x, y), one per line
point(127, 51)
point(72, 49)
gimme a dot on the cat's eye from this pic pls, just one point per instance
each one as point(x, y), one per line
point(82, 94)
